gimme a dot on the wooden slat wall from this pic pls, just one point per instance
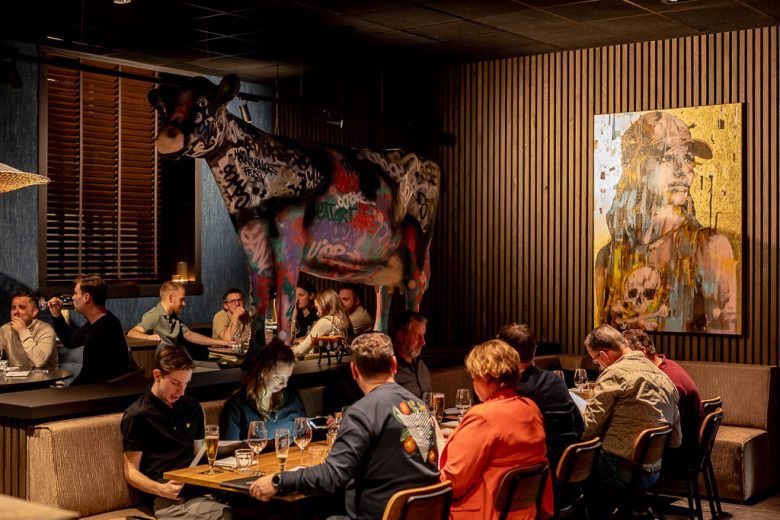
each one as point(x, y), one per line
point(513, 240)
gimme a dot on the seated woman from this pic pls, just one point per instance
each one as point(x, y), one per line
point(305, 315)
point(503, 432)
point(263, 396)
point(334, 321)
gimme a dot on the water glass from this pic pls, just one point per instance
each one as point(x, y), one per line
point(462, 402)
point(3, 366)
point(243, 460)
point(559, 373)
point(257, 437)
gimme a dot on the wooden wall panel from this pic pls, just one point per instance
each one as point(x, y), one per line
point(521, 174)
point(512, 240)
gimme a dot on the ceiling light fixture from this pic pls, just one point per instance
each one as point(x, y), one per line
point(122, 2)
point(12, 179)
point(245, 114)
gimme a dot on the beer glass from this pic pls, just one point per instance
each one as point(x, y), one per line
point(282, 447)
point(212, 446)
point(438, 406)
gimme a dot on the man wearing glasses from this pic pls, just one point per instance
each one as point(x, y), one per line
point(631, 395)
point(233, 321)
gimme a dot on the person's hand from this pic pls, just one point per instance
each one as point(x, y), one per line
point(170, 489)
point(18, 324)
point(331, 421)
point(262, 489)
point(237, 312)
point(55, 307)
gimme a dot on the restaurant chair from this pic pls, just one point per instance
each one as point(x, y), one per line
point(707, 433)
point(423, 503)
point(327, 344)
point(648, 449)
point(574, 469)
point(708, 406)
point(521, 487)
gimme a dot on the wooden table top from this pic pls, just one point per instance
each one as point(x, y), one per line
point(37, 378)
point(267, 463)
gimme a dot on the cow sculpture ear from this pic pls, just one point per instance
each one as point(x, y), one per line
point(228, 88)
point(156, 100)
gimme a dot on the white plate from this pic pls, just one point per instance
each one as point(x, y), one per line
point(451, 411)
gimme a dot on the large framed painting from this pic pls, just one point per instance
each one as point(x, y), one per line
point(667, 219)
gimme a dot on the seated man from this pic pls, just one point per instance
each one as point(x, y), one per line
point(358, 315)
point(563, 423)
point(233, 323)
point(106, 355)
point(408, 342)
point(386, 442)
point(162, 431)
point(689, 404)
point(162, 322)
point(27, 341)
point(631, 395)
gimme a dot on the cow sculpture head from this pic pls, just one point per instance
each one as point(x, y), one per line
point(191, 125)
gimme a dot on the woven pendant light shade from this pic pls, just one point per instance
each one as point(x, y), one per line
point(12, 179)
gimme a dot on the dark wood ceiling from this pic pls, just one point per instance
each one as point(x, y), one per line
point(262, 40)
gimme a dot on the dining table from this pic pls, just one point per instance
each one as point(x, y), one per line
point(30, 378)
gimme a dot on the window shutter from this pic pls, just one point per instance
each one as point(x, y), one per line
point(103, 199)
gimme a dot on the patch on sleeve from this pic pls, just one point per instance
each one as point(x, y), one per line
point(419, 435)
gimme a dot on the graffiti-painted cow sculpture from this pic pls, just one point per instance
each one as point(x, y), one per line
point(348, 215)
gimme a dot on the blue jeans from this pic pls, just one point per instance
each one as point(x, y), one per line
point(610, 482)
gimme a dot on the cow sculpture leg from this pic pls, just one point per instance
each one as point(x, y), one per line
point(254, 239)
point(288, 254)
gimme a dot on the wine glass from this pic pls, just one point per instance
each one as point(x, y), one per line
point(462, 401)
point(257, 438)
point(580, 379)
point(282, 446)
point(559, 373)
point(302, 433)
point(212, 446)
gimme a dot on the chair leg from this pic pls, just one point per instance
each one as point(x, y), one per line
point(714, 485)
point(657, 503)
point(689, 490)
point(710, 497)
point(697, 497)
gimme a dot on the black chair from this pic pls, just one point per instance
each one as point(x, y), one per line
point(574, 469)
point(521, 487)
point(423, 503)
point(708, 406)
point(648, 450)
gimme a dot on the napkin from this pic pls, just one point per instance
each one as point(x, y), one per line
point(18, 373)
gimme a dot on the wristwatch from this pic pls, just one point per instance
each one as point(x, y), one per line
point(276, 480)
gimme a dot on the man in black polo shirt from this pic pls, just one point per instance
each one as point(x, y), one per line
point(162, 431)
point(408, 342)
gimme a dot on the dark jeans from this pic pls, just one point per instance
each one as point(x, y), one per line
point(609, 485)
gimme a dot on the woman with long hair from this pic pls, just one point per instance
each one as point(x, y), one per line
point(263, 395)
point(334, 321)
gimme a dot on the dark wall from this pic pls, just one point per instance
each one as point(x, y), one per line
point(222, 260)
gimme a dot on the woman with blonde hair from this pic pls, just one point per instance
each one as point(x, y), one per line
point(503, 432)
point(263, 395)
point(334, 321)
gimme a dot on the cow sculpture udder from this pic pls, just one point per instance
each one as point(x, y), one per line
point(348, 215)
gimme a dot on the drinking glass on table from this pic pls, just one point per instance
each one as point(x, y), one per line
point(580, 379)
point(282, 447)
point(212, 446)
point(438, 406)
point(462, 402)
point(257, 438)
point(559, 373)
point(302, 433)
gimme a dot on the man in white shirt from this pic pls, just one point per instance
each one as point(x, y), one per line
point(26, 341)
